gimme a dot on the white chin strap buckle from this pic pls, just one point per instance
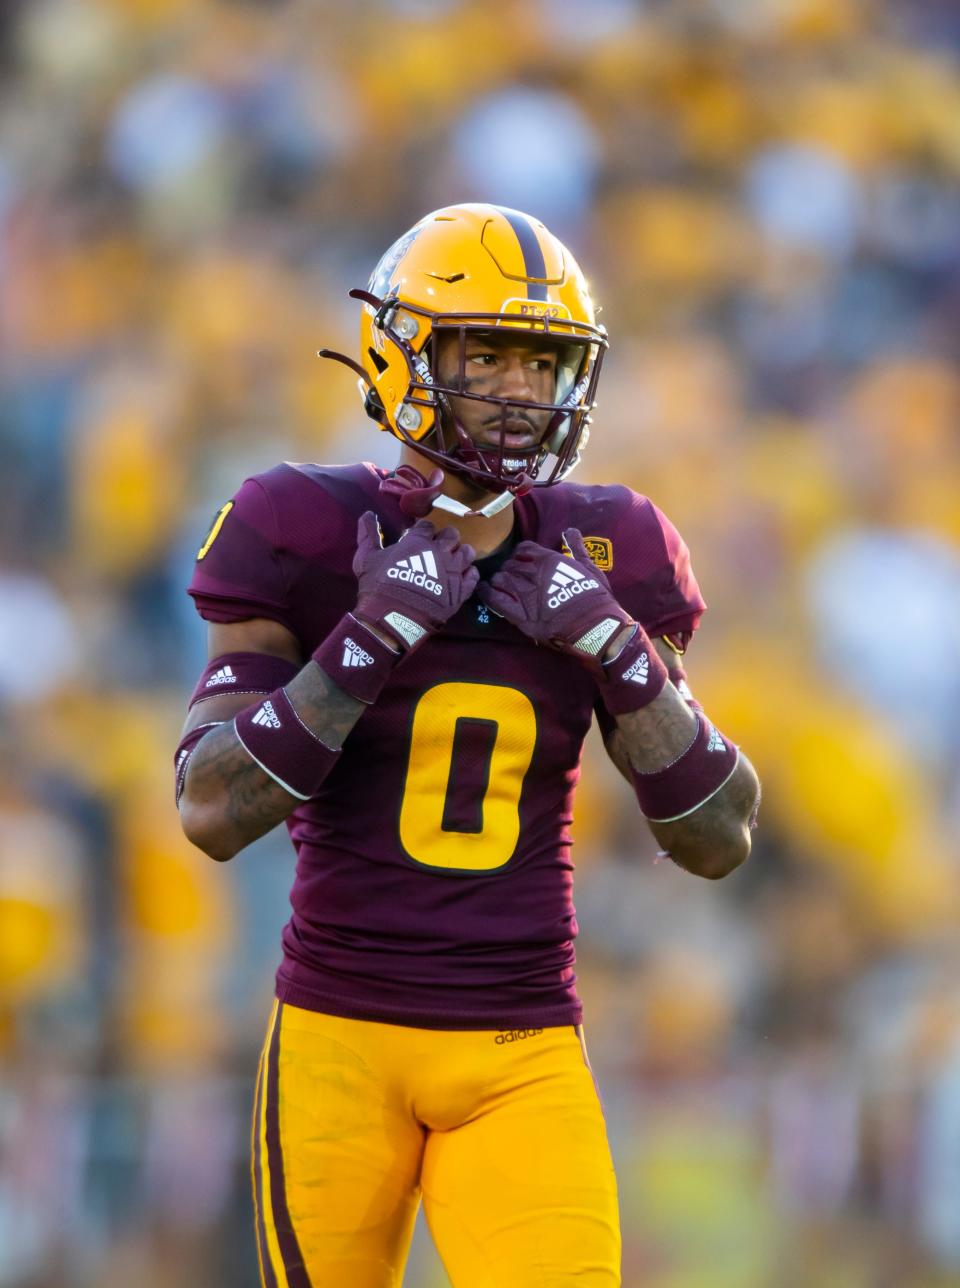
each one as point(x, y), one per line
point(500, 502)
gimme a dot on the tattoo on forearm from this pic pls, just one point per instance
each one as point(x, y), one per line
point(655, 736)
point(222, 772)
point(326, 710)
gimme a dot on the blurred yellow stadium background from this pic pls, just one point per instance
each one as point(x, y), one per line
point(766, 195)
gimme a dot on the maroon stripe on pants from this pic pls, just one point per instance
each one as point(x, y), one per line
point(297, 1276)
point(269, 1278)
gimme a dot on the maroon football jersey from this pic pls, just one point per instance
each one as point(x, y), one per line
point(434, 880)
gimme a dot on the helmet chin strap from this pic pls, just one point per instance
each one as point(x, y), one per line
point(417, 496)
point(494, 506)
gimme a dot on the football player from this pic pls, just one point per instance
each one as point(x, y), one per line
point(403, 667)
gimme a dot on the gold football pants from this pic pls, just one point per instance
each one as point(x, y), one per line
point(502, 1136)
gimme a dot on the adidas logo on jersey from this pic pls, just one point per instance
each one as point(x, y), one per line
point(224, 676)
point(716, 743)
point(267, 716)
point(568, 581)
point(639, 670)
point(419, 570)
point(354, 655)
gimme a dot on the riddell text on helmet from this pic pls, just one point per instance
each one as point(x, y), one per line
point(417, 579)
point(568, 592)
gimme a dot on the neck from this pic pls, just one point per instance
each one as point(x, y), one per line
point(484, 534)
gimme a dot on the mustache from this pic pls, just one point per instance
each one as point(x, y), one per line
point(495, 421)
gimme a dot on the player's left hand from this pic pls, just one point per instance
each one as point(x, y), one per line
point(564, 602)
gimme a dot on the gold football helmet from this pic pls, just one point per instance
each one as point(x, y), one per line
point(477, 268)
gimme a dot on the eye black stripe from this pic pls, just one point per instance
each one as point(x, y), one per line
point(534, 264)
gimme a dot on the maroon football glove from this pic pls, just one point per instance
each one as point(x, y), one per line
point(413, 587)
point(566, 603)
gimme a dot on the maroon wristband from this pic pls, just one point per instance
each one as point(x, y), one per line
point(356, 660)
point(634, 677)
point(242, 673)
point(696, 774)
point(273, 735)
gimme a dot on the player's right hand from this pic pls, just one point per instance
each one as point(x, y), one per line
point(412, 588)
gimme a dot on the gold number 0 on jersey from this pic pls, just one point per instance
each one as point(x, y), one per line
point(428, 775)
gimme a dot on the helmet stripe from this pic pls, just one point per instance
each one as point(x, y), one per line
point(534, 264)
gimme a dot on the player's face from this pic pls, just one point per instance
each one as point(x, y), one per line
point(522, 368)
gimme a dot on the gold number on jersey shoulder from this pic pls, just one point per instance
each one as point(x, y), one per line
point(432, 739)
point(214, 530)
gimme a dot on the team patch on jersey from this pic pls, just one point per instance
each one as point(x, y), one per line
point(214, 530)
point(600, 550)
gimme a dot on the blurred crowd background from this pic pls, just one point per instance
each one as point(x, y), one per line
point(766, 195)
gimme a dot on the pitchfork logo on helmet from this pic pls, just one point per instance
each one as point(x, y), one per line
point(383, 274)
point(478, 268)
